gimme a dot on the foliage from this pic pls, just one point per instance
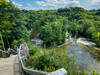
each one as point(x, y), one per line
point(70, 72)
point(5, 13)
point(94, 35)
point(52, 25)
point(54, 33)
point(76, 20)
point(48, 60)
point(51, 60)
point(83, 22)
point(12, 24)
point(34, 49)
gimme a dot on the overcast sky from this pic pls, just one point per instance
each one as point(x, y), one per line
point(54, 4)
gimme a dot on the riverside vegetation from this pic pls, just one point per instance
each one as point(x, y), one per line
point(18, 26)
point(51, 60)
point(48, 60)
point(52, 25)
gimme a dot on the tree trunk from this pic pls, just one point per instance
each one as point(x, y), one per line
point(8, 42)
point(2, 41)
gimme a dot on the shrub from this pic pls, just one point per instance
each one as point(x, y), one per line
point(70, 72)
point(4, 55)
point(51, 60)
point(48, 60)
point(34, 50)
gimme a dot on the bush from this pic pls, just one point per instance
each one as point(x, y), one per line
point(51, 60)
point(4, 55)
point(48, 60)
point(34, 50)
point(70, 72)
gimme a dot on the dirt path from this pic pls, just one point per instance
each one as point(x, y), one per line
point(9, 66)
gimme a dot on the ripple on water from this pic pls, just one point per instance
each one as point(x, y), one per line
point(83, 57)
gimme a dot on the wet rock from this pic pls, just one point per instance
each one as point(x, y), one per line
point(86, 41)
point(37, 41)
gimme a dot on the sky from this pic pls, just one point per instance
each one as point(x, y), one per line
point(55, 4)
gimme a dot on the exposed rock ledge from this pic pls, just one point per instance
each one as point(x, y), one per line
point(87, 42)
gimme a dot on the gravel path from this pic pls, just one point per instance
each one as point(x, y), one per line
point(10, 66)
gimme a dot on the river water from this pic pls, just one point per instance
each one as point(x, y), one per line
point(84, 58)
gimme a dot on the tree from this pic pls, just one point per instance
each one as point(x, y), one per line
point(54, 33)
point(5, 25)
point(90, 32)
point(96, 38)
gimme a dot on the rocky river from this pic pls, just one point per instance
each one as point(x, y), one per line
point(85, 52)
point(87, 57)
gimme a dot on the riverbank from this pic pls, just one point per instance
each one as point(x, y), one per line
point(88, 43)
point(66, 43)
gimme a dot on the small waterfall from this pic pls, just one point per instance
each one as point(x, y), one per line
point(70, 38)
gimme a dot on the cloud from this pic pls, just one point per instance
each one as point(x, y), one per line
point(93, 4)
point(57, 3)
point(19, 5)
point(95, 1)
point(7, 0)
point(29, 7)
point(45, 4)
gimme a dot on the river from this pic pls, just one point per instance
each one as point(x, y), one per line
point(84, 57)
